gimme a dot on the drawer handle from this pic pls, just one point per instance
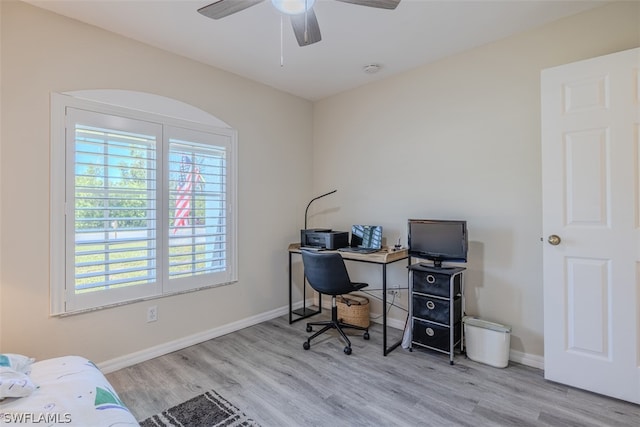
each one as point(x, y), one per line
point(430, 332)
point(431, 279)
point(430, 305)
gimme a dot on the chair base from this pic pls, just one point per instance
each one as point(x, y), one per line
point(334, 323)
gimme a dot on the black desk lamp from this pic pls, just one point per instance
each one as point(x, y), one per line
point(313, 200)
point(305, 311)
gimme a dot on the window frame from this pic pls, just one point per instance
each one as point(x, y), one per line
point(182, 116)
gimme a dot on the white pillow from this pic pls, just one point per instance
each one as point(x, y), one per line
point(14, 383)
point(17, 362)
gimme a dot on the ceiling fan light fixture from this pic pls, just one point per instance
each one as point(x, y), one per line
point(371, 68)
point(293, 7)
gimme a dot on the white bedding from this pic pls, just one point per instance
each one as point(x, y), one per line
point(71, 392)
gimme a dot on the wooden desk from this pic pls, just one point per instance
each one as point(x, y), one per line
point(382, 258)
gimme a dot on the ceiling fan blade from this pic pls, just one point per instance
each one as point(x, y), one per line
point(380, 4)
point(306, 28)
point(222, 8)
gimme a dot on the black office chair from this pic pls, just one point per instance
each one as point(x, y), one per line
point(327, 274)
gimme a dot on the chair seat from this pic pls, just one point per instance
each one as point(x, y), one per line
point(359, 286)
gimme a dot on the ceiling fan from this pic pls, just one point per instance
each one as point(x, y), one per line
point(303, 19)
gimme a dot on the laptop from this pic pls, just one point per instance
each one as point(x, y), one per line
point(365, 239)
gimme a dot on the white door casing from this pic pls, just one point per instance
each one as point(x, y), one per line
point(591, 200)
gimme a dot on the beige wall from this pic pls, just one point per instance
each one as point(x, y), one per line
point(1, 127)
point(460, 139)
point(42, 53)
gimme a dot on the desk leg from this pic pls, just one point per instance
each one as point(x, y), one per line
point(384, 309)
point(386, 350)
point(290, 290)
point(303, 312)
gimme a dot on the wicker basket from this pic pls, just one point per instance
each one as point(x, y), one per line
point(353, 309)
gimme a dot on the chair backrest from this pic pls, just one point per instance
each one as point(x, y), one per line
point(327, 273)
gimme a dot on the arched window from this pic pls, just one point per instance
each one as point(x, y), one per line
point(143, 192)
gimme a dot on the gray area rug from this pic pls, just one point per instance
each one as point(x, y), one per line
point(207, 410)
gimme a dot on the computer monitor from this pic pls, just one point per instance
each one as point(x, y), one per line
point(366, 236)
point(438, 240)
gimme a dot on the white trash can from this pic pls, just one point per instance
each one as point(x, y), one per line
point(487, 342)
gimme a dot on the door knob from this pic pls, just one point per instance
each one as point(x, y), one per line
point(554, 240)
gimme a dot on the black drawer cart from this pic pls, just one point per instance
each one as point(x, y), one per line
point(436, 307)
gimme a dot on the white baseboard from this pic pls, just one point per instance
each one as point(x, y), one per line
point(532, 360)
point(391, 322)
point(171, 346)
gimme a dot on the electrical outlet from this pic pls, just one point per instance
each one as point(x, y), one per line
point(152, 313)
point(393, 292)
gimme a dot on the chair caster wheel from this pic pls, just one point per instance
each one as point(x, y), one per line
point(309, 329)
point(366, 336)
point(306, 345)
point(347, 350)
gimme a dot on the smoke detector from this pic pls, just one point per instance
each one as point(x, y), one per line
point(371, 68)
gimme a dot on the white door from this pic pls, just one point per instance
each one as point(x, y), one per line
point(591, 201)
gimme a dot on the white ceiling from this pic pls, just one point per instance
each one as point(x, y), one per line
point(248, 43)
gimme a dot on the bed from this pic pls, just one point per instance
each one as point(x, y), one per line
point(63, 391)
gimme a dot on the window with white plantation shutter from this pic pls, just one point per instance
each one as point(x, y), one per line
point(197, 208)
point(147, 207)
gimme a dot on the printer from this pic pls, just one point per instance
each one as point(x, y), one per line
point(324, 238)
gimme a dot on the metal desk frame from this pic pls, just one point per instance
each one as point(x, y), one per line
point(382, 258)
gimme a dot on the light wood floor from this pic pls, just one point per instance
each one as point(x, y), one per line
point(265, 372)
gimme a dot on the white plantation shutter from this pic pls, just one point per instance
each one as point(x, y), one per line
point(112, 246)
point(147, 207)
point(198, 200)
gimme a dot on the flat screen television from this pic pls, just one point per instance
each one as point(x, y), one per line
point(438, 240)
